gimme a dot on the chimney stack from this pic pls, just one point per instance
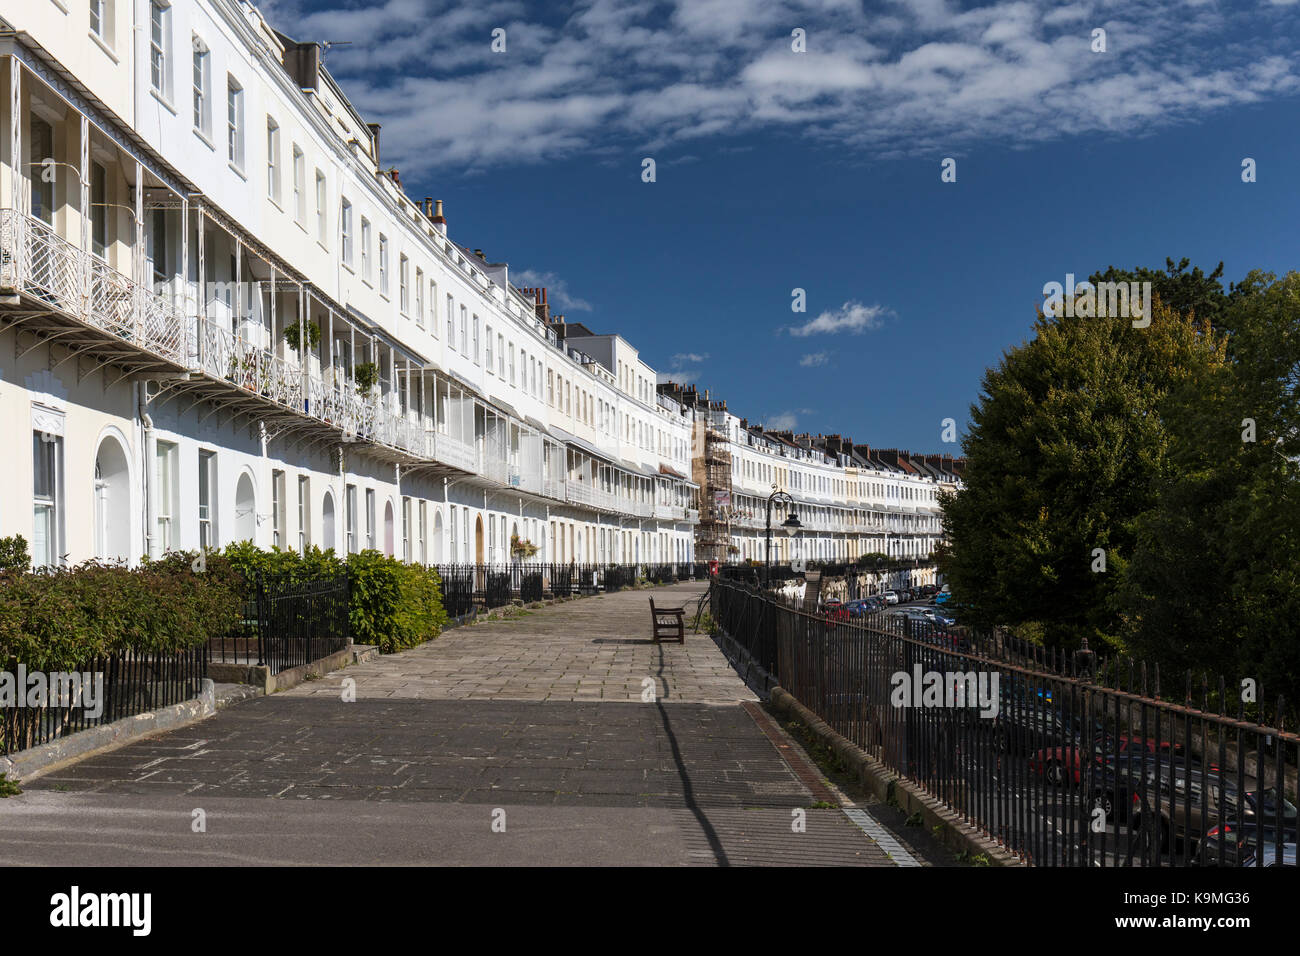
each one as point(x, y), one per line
point(374, 141)
point(437, 217)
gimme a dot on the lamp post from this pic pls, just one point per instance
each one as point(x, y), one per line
point(790, 524)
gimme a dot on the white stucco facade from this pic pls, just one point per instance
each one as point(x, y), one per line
point(186, 196)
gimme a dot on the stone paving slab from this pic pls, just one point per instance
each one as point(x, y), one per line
point(47, 828)
point(666, 755)
point(541, 716)
point(594, 648)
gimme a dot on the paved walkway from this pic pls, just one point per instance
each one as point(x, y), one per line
point(594, 648)
point(539, 720)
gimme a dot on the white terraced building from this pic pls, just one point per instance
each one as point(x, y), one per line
point(186, 196)
point(850, 499)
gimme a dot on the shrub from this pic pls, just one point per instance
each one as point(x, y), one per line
point(13, 554)
point(61, 619)
point(394, 605)
point(247, 560)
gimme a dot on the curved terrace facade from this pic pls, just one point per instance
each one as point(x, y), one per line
point(222, 319)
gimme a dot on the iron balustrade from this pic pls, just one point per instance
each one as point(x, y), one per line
point(1062, 759)
point(36, 260)
point(287, 624)
point(468, 587)
point(133, 682)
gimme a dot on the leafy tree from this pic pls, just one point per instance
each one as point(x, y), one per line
point(1185, 292)
point(1067, 449)
point(1214, 584)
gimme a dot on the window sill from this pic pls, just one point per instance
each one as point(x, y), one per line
point(161, 98)
point(348, 267)
point(275, 202)
point(203, 138)
point(103, 45)
point(237, 171)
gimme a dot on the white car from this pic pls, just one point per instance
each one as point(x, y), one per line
point(891, 597)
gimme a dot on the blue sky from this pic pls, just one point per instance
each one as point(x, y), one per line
point(820, 170)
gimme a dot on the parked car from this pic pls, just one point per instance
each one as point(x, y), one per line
point(943, 597)
point(1267, 856)
point(1185, 810)
point(1058, 763)
point(938, 617)
point(834, 610)
point(1240, 844)
point(861, 607)
point(891, 597)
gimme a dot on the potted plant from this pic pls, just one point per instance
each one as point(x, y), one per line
point(365, 375)
point(292, 335)
point(522, 547)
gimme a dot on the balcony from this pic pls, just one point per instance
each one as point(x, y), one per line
point(579, 492)
point(454, 452)
point(65, 281)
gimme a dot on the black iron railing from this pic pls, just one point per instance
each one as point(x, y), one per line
point(1063, 759)
point(288, 624)
point(466, 587)
point(121, 685)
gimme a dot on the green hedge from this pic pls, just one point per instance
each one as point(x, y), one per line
point(59, 619)
point(394, 605)
point(62, 618)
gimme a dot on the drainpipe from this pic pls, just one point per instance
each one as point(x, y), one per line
point(146, 445)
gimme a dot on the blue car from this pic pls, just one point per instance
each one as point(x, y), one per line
point(937, 616)
point(861, 607)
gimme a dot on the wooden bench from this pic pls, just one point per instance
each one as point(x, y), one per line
point(669, 622)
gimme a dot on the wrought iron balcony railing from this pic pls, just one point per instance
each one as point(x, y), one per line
point(35, 260)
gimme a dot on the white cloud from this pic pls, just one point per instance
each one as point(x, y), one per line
point(815, 359)
point(850, 317)
point(557, 290)
point(616, 74)
point(784, 422)
point(685, 367)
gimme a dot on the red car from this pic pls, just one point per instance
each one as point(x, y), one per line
point(1056, 762)
point(835, 612)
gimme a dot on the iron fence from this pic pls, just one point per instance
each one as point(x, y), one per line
point(466, 587)
point(120, 685)
point(1063, 759)
point(287, 624)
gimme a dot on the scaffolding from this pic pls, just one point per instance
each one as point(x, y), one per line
point(713, 536)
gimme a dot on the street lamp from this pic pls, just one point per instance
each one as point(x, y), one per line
point(790, 524)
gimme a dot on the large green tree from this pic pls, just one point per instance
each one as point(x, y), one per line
point(1214, 584)
point(1066, 451)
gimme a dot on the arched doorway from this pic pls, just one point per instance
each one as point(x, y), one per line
point(514, 535)
point(481, 575)
point(327, 521)
point(245, 509)
point(112, 502)
point(437, 536)
point(388, 529)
